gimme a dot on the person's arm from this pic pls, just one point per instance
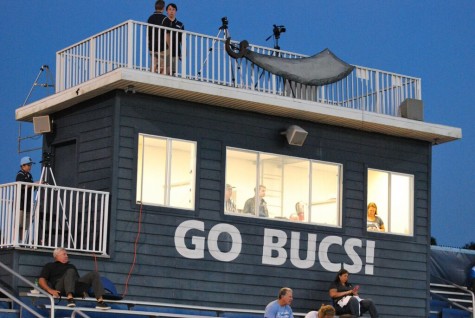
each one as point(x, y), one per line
point(44, 284)
point(334, 293)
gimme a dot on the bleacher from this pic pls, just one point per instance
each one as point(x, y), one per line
point(450, 301)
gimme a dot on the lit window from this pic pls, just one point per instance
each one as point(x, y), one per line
point(393, 195)
point(282, 187)
point(166, 172)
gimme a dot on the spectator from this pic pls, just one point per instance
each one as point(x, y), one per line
point(299, 214)
point(250, 205)
point(156, 37)
point(173, 38)
point(325, 311)
point(280, 308)
point(346, 299)
point(24, 175)
point(229, 205)
point(373, 221)
point(62, 278)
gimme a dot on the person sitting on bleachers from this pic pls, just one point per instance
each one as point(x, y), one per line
point(62, 278)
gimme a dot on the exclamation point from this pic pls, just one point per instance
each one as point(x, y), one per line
point(369, 267)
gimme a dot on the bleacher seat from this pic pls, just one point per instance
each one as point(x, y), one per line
point(455, 313)
point(109, 288)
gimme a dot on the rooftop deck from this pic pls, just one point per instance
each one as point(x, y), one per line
point(119, 58)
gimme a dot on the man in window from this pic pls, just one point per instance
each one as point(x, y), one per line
point(229, 205)
point(250, 205)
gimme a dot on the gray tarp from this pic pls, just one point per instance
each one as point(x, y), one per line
point(451, 264)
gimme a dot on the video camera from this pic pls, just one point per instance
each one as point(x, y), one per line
point(278, 29)
point(224, 21)
point(46, 160)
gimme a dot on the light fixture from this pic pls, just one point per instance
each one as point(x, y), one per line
point(295, 135)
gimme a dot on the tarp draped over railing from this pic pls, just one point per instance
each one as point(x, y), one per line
point(204, 58)
point(451, 264)
point(46, 216)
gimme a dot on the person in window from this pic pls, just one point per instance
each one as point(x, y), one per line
point(24, 175)
point(280, 308)
point(250, 205)
point(346, 299)
point(229, 205)
point(62, 278)
point(299, 214)
point(373, 221)
point(325, 311)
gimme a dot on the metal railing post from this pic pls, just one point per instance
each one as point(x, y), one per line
point(130, 44)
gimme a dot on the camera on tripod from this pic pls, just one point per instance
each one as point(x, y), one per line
point(224, 25)
point(47, 156)
point(278, 29)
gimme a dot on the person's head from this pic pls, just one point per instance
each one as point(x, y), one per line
point(326, 311)
point(229, 191)
point(159, 5)
point(342, 276)
point(171, 11)
point(25, 164)
point(285, 296)
point(299, 207)
point(372, 209)
point(262, 191)
point(60, 255)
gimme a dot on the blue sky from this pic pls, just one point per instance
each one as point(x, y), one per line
point(429, 39)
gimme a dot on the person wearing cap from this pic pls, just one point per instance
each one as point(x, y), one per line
point(229, 205)
point(24, 175)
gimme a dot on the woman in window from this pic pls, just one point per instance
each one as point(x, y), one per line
point(373, 221)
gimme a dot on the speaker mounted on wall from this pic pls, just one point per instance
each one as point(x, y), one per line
point(41, 124)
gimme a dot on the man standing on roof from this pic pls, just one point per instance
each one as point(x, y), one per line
point(156, 37)
point(62, 278)
point(173, 39)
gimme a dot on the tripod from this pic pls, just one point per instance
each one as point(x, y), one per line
point(224, 29)
point(34, 226)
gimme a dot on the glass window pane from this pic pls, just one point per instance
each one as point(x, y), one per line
point(325, 207)
point(182, 174)
point(151, 170)
point(296, 187)
point(401, 202)
point(241, 174)
point(378, 193)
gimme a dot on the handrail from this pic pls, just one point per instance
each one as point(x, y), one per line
point(451, 301)
point(18, 301)
point(131, 44)
point(77, 311)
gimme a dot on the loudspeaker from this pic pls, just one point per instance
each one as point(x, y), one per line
point(412, 109)
point(41, 124)
point(295, 135)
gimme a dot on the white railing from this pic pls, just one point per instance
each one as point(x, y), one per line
point(204, 58)
point(46, 216)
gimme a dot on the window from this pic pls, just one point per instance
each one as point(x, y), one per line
point(166, 172)
point(393, 194)
point(282, 187)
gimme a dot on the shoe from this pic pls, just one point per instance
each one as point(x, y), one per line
point(71, 303)
point(102, 305)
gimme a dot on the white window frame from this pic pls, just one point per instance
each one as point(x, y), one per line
point(167, 171)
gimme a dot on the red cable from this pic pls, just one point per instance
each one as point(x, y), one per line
point(135, 252)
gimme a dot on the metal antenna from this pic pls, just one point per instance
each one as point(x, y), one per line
point(48, 83)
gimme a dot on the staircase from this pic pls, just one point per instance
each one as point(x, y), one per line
point(451, 301)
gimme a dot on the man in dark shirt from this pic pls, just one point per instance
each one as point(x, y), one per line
point(173, 38)
point(62, 277)
point(156, 37)
point(24, 175)
point(250, 204)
